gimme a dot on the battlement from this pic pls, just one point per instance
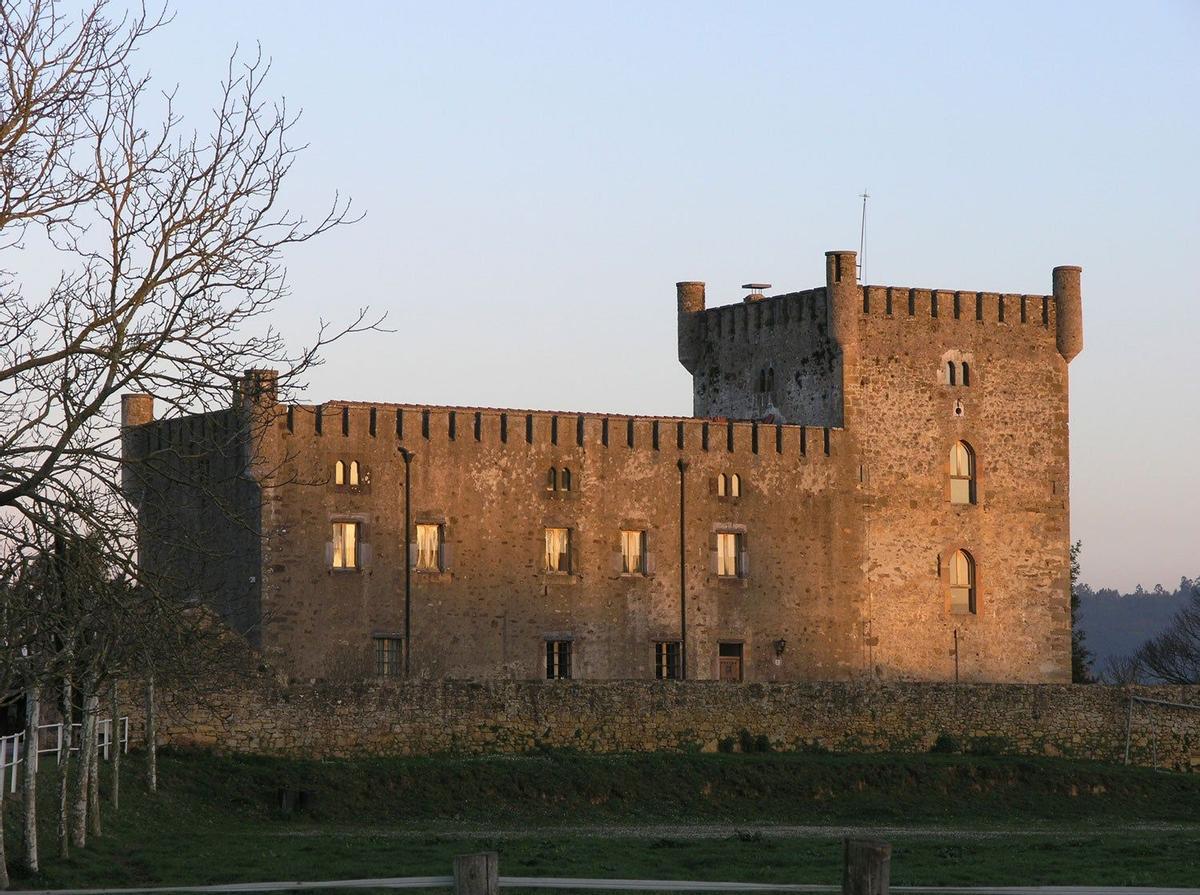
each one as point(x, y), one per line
point(409, 424)
point(946, 304)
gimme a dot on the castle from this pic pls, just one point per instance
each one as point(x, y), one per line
point(874, 483)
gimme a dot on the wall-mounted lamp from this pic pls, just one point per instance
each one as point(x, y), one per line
point(780, 646)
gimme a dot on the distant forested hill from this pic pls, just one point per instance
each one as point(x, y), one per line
point(1116, 624)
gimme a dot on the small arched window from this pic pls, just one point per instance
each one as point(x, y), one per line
point(552, 479)
point(735, 485)
point(339, 473)
point(962, 473)
point(566, 479)
point(721, 485)
point(966, 373)
point(353, 473)
point(950, 373)
point(962, 582)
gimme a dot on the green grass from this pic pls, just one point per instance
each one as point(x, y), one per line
point(1005, 820)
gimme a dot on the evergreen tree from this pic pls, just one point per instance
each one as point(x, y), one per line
point(1081, 656)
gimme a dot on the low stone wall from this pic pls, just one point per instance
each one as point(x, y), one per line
point(423, 717)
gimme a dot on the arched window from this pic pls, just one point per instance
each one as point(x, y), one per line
point(962, 473)
point(966, 371)
point(339, 473)
point(962, 582)
point(353, 473)
point(566, 479)
point(950, 372)
point(552, 479)
point(735, 485)
point(721, 485)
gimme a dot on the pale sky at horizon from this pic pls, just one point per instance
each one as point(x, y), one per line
point(536, 177)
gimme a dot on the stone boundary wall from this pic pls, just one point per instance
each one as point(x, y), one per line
point(426, 717)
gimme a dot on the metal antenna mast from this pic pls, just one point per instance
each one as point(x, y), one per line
point(862, 233)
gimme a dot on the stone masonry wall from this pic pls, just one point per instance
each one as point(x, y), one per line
point(1087, 722)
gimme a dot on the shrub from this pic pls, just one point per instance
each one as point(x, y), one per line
point(945, 744)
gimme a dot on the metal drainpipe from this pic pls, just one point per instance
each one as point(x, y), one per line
point(682, 574)
point(407, 455)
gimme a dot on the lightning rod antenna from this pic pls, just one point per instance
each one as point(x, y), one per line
point(862, 233)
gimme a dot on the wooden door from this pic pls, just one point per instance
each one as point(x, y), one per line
point(730, 668)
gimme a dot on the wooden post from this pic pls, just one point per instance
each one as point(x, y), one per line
point(868, 867)
point(477, 874)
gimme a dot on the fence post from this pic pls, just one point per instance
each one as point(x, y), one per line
point(477, 874)
point(868, 867)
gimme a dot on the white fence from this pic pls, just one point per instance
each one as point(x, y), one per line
point(50, 742)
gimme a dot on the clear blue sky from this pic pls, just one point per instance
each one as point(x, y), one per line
point(536, 177)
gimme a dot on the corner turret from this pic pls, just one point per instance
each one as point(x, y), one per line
point(1068, 311)
point(690, 298)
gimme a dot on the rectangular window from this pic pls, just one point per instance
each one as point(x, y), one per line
point(345, 545)
point(558, 550)
point(666, 660)
point(430, 552)
point(558, 660)
point(730, 562)
point(633, 552)
point(389, 656)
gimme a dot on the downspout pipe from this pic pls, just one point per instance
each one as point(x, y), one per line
point(407, 455)
point(683, 666)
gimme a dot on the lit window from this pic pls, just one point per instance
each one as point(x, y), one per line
point(735, 485)
point(429, 548)
point(962, 582)
point(633, 552)
point(339, 473)
point(666, 660)
point(558, 660)
point(721, 485)
point(345, 545)
point(353, 473)
point(558, 550)
point(730, 562)
point(389, 656)
point(962, 473)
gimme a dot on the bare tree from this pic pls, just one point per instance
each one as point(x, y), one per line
point(1173, 657)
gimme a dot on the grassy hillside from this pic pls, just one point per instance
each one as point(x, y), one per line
point(960, 819)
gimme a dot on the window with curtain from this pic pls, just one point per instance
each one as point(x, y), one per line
point(633, 552)
point(429, 547)
point(962, 582)
point(558, 659)
point(345, 545)
point(558, 549)
point(729, 550)
point(962, 473)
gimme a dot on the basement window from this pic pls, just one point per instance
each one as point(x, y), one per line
point(667, 654)
point(389, 656)
point(558, 660)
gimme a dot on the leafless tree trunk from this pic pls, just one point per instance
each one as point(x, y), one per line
point(64, 771)
point(151, 738)
point(29, 793)
point(115, 746)
point(87, 745)
point(93, 805)
point(3, 858)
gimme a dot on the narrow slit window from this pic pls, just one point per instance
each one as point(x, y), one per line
point(353, 478)
point(950, 377)
point(966, 373)
point(735, 485)
point(722, 485)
